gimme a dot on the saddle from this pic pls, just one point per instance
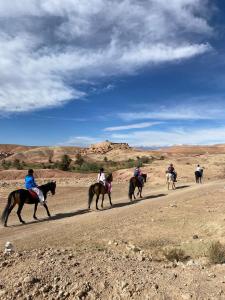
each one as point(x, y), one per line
point(33, 194)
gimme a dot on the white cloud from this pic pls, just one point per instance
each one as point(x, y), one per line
point(48, 47)
point(190, 112)
point(173, 137)
point(82, 141)
point(132, 126)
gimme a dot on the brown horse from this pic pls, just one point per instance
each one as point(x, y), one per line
point(135, 182)
point(100, 189)
point(22, 196)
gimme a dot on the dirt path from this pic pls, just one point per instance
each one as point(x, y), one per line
point(70, 211)
point(117, 253)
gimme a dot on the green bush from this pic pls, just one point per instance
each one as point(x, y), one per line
point(6, 164)
point(17, 164)
point(79, 159)
point(65, 162)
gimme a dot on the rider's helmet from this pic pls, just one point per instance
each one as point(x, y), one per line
point(171, 165)
point(30, 172)
point(101, 170)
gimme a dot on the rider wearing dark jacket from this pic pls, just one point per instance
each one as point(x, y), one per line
point(171, 170)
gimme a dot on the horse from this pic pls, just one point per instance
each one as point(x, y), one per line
point(198, 176)
point(170, 179)
point(135, 182)
point(23, 196)
point(100, 189)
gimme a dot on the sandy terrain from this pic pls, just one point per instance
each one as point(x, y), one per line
point(118, 252)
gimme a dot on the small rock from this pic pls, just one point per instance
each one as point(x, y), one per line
point(9, 249)
point(30, 279)
point(195, 236)
point(124, 285)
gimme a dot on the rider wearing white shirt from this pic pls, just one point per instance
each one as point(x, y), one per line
point(198, 169)
point(101, 176)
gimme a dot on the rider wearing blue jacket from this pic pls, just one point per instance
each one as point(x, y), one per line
point(30, 184)
point(29, 180)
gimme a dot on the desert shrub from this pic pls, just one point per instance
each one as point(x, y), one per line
point(105, 159)
point(216, 253)
point(65, 162)
point(6, 164)
point(17, 164)
point(174, 254)
point(162, 157)
point(145, 159)
point(79, 159)
point(90, 167)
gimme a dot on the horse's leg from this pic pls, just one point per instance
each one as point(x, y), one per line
point(103, 196)
point(9, 211)
point(19, 212)
point(35, 209)
point(46, 207)
point(140, 191)
point(110, 200)
point(97, 201)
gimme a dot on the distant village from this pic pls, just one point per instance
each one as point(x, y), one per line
point(4, 155)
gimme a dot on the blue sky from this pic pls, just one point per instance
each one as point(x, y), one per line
point(79, 72)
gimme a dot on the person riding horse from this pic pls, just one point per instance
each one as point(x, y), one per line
point(198, 174)
point(138, 175)
point(172, 171)
point(30, 184)
point(102, 179)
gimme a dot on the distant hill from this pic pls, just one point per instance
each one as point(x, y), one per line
point(98, 152)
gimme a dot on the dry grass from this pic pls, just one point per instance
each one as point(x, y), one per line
point(175, 254)
point(216, 253)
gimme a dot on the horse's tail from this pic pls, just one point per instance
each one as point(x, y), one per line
point(6, 210)
point(90, 195)
point(131, 189)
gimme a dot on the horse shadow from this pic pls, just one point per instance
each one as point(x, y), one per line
point(58, 216)
point(182, 187)
point(118, 205)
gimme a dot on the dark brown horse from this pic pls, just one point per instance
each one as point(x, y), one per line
point(22, 196)
point(136, 182)
point(100, 189)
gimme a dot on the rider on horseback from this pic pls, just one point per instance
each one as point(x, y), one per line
point(102, 179)
point(138, 174)
point(171, 170)
point(199, 169)
point(30, 184)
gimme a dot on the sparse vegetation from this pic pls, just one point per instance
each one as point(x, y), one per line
point(6, 164)
point(175, 254)
point(17, 164)
point(216, 253)
point(65, 162)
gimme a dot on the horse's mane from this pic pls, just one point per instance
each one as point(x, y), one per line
point(46, 184)
point(109, 177)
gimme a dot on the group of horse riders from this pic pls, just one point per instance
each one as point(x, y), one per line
point(34, 194)
point(30, 183)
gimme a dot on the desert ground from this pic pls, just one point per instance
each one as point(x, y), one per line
point(119, 252)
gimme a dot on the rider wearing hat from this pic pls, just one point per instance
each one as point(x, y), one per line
point(30, 184)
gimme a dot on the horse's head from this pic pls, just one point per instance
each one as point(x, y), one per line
point(52, 187)
point(144, 176)
point(109, 178)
